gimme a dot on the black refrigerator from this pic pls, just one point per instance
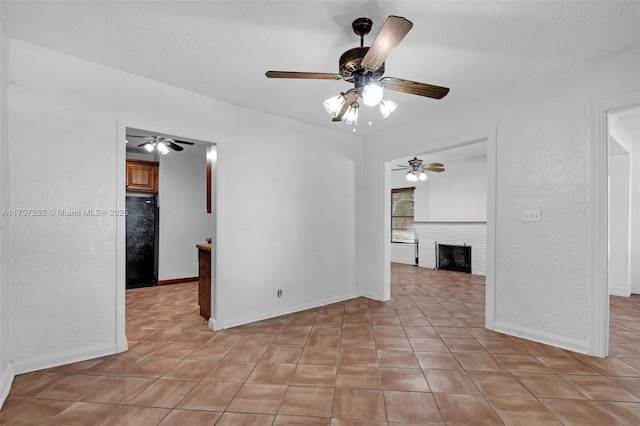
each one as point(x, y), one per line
point(142, 241)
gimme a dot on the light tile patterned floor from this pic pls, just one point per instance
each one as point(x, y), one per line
point(422, 358)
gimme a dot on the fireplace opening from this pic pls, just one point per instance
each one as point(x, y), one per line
point(453, 258)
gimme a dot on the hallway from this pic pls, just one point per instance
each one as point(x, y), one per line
point(422, 358)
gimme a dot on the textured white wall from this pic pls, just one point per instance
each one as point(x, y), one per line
point(279, 226)
point(457, 194)
point(6, 373)
point(184, 221)
point(542, 268)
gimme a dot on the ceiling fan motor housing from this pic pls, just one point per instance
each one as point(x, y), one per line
point(415, 163)
point(351, 68)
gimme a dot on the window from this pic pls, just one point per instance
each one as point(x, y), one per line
point(402, 230)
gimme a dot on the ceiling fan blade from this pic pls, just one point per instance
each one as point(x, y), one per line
point(402, 168)
point(390, 35)
point(174, 146)
point(143, 144)
point(183, 142)
point(306, 75)
point(433, 169)
point(414, 88)
point(350, 97)
point(434, 165)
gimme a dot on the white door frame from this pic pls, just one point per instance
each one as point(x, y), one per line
point(490, 135)
point(599, 291)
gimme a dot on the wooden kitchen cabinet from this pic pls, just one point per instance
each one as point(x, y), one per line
point(204, 280)
point(142, 176)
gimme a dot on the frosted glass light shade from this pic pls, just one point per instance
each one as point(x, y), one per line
point(162, 148)
point(386, 107)
point(411, 177)
point(334, 104)
point(351, 116)
point(422, 176)
point(372, 94)
point(149, 147)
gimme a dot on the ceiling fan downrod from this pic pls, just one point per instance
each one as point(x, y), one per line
point(362, 27)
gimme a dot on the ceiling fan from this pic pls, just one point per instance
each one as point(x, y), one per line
point(417, 169)
point(364, 66)
point(160, 143)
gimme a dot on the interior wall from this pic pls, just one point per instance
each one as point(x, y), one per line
point(457, 194)
point(619, 182)
point(274, 231)
point(542, 277)
point(634, 226)
point(6, 369)
point(184, 221)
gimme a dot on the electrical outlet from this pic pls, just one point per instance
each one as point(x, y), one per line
point(279, 293)
point(531, 215)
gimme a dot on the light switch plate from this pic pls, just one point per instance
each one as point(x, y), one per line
point(531, 215)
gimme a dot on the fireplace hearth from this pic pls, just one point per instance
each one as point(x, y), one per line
point(453, 257)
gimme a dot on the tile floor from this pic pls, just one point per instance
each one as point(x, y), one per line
point(423, 358)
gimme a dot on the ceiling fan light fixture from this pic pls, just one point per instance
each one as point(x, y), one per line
point(149, 146)
point(411, 177)
point(162, 148)
point(372, 93)
point(334, 104)
point(422, 176)
point(386, 107)
point(351, 116)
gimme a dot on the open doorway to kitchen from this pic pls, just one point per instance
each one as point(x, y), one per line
point(453, 205)
point(168, 191)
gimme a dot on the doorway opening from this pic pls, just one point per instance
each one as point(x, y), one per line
point(461, 199)
point(614, 229)
point(623, 272)
point(623, 227)
point(169, 195)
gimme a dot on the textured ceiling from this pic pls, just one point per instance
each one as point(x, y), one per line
point(221, 49)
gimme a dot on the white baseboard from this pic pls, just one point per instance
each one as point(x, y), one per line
point(578, 346)
point(6, 379)
point(41, 362)
point(287, 310)
point(373, 296)
point(403, 260)
point(619, 291)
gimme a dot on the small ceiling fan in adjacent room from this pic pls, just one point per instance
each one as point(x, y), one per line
point(364, 67)
point(417, 170)
point(160, 143)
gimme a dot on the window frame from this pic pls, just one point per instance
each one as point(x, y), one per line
point(401, 190)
